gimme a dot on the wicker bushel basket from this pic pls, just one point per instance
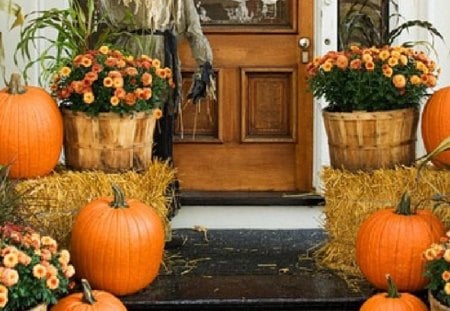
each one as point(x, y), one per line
point(108, 142)
point(371, 140)
point(435, 305)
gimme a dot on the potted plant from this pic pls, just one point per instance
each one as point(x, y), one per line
point(33, 271)
point(373, 96)
point(110, 102)
point(373, 88)
point(437, 270)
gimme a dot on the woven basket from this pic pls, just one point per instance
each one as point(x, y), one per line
point(371, 140)
point(108, 142)
point(435, 305)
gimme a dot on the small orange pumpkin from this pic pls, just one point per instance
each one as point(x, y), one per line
point(391, 241)
point(117, 244)
point(31, 130)
point(89, 300)
point(393, 301)
point(436, 124)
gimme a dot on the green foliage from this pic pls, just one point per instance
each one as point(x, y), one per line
point(365, 23)
point(68, 32)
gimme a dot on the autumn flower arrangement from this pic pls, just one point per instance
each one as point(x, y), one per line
point(106, 80)
point(437, 270)
point(372, 79)
point(32, 270)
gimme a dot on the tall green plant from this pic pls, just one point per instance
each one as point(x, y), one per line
point(15, 10)
point(365, 22)
point(65, 33)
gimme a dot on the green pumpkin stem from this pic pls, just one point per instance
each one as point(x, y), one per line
point(15, 86)
point(404, 207)
point(119, 197)
point(392, 289)
point(88, 296)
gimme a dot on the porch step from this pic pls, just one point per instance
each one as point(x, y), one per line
point(250, 198)
point(247, 270)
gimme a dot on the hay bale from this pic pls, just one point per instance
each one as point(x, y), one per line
point(53, 201)
point(351, 197)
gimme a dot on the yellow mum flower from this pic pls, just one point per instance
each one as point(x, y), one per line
point(114, 100)
point(88, 98)
point(10, 260)
point(327, 66)
point(104, 49)
point(39, 271)
point(65, 71)
point(384, 54)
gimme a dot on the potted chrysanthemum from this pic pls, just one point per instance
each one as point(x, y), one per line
point(33, 272)
point(373, 96)
point(110, 102)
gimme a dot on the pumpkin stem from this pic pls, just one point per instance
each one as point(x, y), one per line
point(404, 206)
point(392, 289)
point(88, 296)
point(119, 197)
point(15, 86)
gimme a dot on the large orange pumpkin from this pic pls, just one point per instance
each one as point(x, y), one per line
point(96, 300)
point(31, 130)
point(117, 244)
point(391, 241)
point(393, 301)
point(436, 124)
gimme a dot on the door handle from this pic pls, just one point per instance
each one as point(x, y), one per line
point(304, 44)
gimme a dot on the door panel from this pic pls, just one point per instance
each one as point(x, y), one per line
point(258, 135)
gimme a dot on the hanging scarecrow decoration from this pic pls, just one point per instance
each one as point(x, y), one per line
point(154, 27)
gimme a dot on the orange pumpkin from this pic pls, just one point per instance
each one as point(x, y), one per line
point(391, 241)
point(436, 124)
point(31, 130)
point(89, 300)
point(117, 244)
point(393, 301)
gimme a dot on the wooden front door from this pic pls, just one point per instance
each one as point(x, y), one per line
point(258, 135)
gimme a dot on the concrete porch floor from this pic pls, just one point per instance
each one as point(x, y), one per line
point(248, 258)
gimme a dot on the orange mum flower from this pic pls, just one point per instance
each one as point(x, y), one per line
point(370, 66)
point(107, 82)
point(146, 79)
point(52, 282)
point(120, 93)
point(10, 277)
point(3, 299)
point(399, 81)
point(147, 93)
point(131, 71)
point(86, 62)
point(111, 61)
point(157, 113)
point(342, 62)
point(355, 64)
point(130, 99)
